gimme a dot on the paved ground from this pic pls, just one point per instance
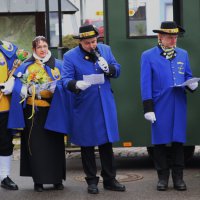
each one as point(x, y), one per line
point(119, 152)
point(141, 187)
point(135, 170)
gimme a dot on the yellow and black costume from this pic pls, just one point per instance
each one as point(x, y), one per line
point(7, 58)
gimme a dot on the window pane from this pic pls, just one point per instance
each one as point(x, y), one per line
point(91, 12)
point(88, 12)
point(145, 15)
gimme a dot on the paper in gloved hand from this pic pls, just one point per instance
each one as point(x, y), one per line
point(94, 79)
point(192, 80)
point(50, 86)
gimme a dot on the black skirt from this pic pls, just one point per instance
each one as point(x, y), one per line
point(42, 151)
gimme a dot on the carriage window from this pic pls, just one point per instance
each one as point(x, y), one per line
point(145, 15)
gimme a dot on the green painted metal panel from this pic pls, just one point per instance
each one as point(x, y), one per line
point(191, 42)
point(132, 125)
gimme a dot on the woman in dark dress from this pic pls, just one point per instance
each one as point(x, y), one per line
point(42, 151)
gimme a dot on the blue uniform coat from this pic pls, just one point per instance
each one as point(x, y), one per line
point(59, 115)
point(94, 115)
point(159, 78)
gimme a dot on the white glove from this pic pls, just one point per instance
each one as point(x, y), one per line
point(30, 90)
point(103, 64)
point(193, 86)
point(37, 91)
point(8, 86)
point(83, 85)
point(24, 92)
point(150, 116)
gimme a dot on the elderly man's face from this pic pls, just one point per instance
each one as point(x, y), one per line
point(89, 44)
point(168, 40)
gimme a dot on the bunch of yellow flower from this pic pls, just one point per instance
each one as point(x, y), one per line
point(35, 75)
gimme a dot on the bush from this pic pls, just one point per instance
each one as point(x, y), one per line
point(69, 42)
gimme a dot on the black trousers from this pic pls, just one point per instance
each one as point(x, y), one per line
point(6, 137)
point(108, 170)
point(164, 159)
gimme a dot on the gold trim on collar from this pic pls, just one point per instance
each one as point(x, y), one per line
point(172, 30)
point(85, 34)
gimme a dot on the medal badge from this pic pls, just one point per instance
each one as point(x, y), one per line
point(7, 46)
point(56, 73)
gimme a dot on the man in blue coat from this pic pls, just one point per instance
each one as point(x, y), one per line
point(87, 71)
point(163, 69)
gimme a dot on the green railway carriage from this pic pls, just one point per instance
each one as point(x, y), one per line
point(127, 48)
point(127, 29)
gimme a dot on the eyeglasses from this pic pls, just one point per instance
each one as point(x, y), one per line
point(42, 47)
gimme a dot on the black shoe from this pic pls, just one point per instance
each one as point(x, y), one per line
point(58, 186)
point(38, 187)
point(114, 185)
point(93, 189)
point(7, 183)
point(162, 185)
point(180, 185)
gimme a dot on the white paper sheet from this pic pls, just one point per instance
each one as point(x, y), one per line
point(192, 80)
point(94, 78)
point(47, 86)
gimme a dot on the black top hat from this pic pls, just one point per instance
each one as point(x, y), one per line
point(87, 31)
point(169, 27)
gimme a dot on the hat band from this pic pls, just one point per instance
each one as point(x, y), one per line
point(172, 30)
point(85, 34)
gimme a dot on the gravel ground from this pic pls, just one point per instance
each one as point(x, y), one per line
point(119, 152)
